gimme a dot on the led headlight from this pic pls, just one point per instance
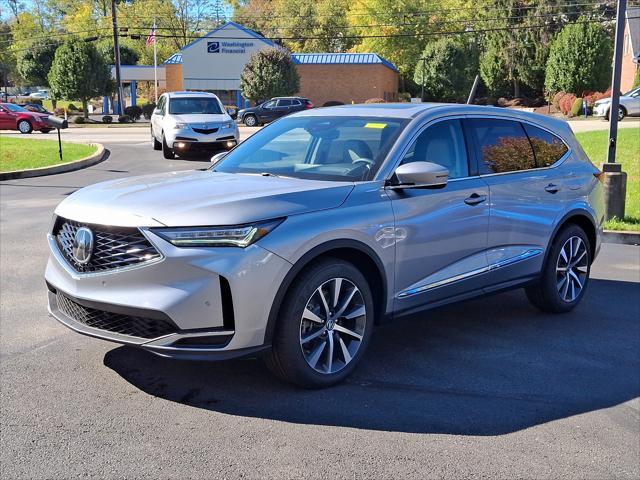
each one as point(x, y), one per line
point(227, 125)
point(181, 126)
point(234, 236)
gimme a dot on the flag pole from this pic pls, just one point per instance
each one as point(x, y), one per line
point(155, 62)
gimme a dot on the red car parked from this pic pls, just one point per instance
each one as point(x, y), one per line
point(14, 117)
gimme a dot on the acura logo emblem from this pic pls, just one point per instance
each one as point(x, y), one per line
point(83, 245)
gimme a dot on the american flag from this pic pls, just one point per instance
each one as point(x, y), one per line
point(151, 39)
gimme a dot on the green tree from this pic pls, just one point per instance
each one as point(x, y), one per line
point(34, 61)
point(80, 73)
point(449, 69)
point(579, 59)
point(128, 55)
point(269, 73)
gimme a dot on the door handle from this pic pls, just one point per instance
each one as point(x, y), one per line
point(552, 188)
point(475, 199)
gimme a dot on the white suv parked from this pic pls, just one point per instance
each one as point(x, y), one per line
point(187, 121)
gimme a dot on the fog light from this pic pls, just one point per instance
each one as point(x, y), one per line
point(180, 145)
point(231, 143)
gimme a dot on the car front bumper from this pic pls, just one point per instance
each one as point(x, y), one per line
point(601, 110)
point(215, 300)
point(185, 139)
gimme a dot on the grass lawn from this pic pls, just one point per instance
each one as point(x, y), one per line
point(24, 153)
point(627, 153)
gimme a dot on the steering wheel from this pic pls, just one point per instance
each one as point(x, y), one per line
point(367, 162)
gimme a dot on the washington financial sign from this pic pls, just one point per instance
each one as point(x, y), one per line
point(228, 47)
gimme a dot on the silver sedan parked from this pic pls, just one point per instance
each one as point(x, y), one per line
point(322, 225)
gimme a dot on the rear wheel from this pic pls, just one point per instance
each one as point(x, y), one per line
point(250, 120)
point(24, 126)
point(324, 326)
point(566, 273)
point(166, 151)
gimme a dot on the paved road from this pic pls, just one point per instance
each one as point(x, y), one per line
point(490, 388)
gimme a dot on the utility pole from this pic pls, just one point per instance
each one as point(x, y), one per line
point(116, 56)
point(424, 66)
point(614, 179)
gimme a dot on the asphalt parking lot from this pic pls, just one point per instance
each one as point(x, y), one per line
point(491, 388)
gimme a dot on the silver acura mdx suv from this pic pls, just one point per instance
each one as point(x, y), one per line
point(323, 224)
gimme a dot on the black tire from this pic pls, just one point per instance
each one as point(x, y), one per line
point(286, 359)
point(166, 151)
point(546, 294)
point(45, 130)
point(154, 141)
point(622, 112)
point(250, 120)
point(24, 126)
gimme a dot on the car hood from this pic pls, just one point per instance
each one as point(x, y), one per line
point(201, 118)
point(199, 198)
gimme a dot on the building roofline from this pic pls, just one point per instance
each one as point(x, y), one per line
point(382, 60)
point(222, 27)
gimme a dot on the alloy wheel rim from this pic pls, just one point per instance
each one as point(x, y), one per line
point(24, 126)
point(250, 122)
point(332, 325)
point(571, 269)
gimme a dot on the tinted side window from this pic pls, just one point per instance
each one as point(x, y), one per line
point(284, 103)
point(503, 144)
point(269, 104)
point(442, 143)
point(547, 147)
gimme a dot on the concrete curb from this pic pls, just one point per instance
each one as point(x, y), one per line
point(621, 237)
point(100, 155)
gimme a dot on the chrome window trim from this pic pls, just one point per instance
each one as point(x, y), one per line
point(556, 164)
point(532, 252)
point(55, 250)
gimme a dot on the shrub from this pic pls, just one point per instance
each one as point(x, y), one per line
point(134, 111)
point(404, 97)
point(124, 119)
point(579, 58)
point(147, 110)
point(576, 108)
point(375, 100)
point(107, 119)
point(269, 73)
point(72, 108)
point(566, 102)
point(555, 101)
point(78, 119)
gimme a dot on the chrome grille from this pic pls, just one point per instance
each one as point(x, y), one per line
point(205, 131)
point(114, 322)
point(114, 247)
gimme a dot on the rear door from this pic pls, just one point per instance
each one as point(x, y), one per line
point(441, 233)
point(527, 193)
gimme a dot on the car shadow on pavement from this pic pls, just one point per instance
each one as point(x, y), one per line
point(484, 367)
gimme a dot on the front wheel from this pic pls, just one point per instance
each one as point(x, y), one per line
point(565, 274)
point(324, 326)
point(154, 142)
point(24, 126)
point(45, 130)
point(166, 151)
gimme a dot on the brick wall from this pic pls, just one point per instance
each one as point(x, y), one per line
point(173, 74)
point(346, 83)
point(629, 68)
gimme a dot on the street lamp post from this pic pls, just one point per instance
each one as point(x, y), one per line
point(424, 66)
point(116, 57)
point(614, 179)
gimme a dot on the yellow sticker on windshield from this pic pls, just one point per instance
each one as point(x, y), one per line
point(375, 125)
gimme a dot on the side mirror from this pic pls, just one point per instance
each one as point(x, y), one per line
point(217, 157)
point(421, 174)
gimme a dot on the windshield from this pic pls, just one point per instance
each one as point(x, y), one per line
point(205, 105)
point(322, 148)
point(14, 108)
